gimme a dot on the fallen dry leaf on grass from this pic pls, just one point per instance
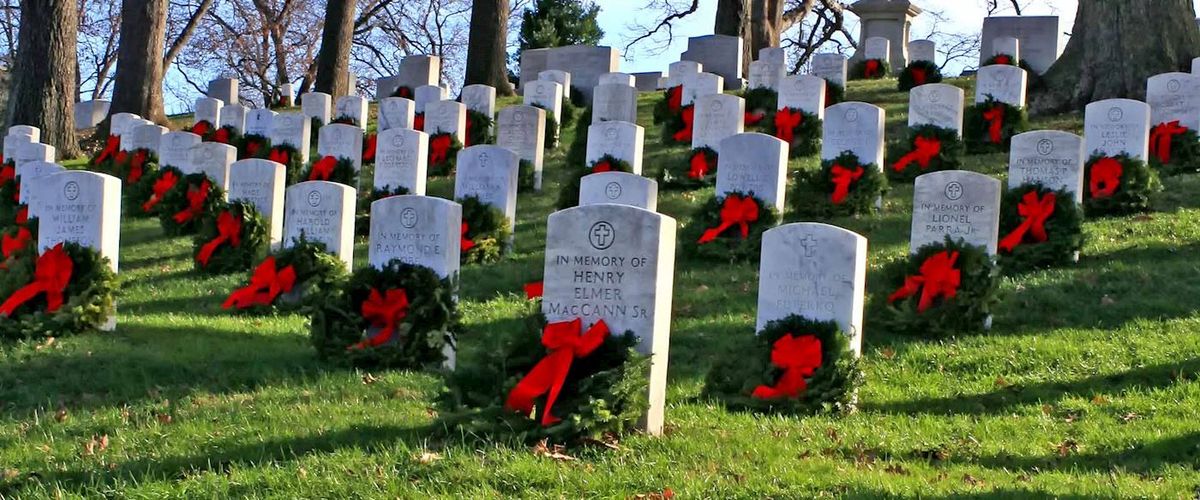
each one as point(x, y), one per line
point(369, 379)
point(666, 494)
point(542, 449)
point(427, 457)
point(61, 415)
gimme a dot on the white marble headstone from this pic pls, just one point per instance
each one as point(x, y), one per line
point(491, 174)
point(522, 129)
point(208, 110)
point(956, 203)
point(753, 163)
point(621, 140)
point(936, 104)
point(699, 85)
point(615, 78)
point(146, 137)
point(260, 183)
point(353, 107)
point(258, 122)
point(545, 94)
point(80, 207)
point(30, 174)
point(447, 116)
point(233, 115)
point(213, 159)
point(323, 212)
point(856, 127)
point(618, 188)
point(1115, 126)
point(292, 129)
point(831, 67)
point(614, 102)
point(1051, 157)
point(922, 50)
point(316, 105)
point(1003, 82)
point(1174, 96)
point(426, 94)
point(417, 230)
point(175, 150)
point(680, 71)
point(877, 47)
point(717, 116)
point(342, 142)
point(31, 152)
point(803, 92)
point(396, 112)
point(1007, 45)
point(402, 159)
point(480, 98)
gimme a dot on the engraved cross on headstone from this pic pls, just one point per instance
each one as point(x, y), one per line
point(810, 245)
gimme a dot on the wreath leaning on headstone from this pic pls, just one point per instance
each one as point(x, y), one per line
point(729, 228)
point(988, 127)
point(485, 232)
point(569, 196)
point(184, 206)
point(443, 153)
point(671, 105)
point(289, 279)
point(870, 69)
point(1041, 227)
point(834, 93)
point(479, 128)
point(554, 381)
point(287, 155)
point(398, 316)
point(68, 289)
point(17, 236)
point(697, 168)
point(677, 127)
point(943, 289)
point(331, 169)
point(760, 106)
point(800, 129)
point(230, 238)
point(926, 148)
point(344, 120)
point(131, 166)
point(1117, 185)
point(1174, 149)
point(842, 186)
point(918, 73)
point(370, 144)
point(144, 199)
point(254, 146)
point(225, 135)
point(794, 366)
point(102, 161)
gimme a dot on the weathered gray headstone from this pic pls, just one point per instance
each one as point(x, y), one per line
point(956, 203)
point(1003, 82)
point(418, 230)
point(480, 98)
point(614, 102)
point(426, 94)
point(621, 140)
point(555, 75)
point(545, 94)
point(489, 173)
point(877, 48)
point(175, 150)
point(679, 72)
point(316, 105)
point(720, 54)
point(353, 107)
point(402, 159)
point(803, 92)
point(214, 159)
point(856, 127)
point(522, 129)
point(717, 116)
point(342, 142)
point(323, 212)
point(260, 183)
point(831, 67)
point(258, 122)
point(447, 116)
point(1007, 45)
point(615, 78)
point(699, 85)
point(615, 263)
point(922, 50)
point(29, 174)
point(647, 81)
point(813, 270)
point(766, 75)
point(936, 104)
point(890, 19)
point(233, 115)
point(396, 112)
point(145, 137)
point(1174, 96)
point(225, 89)
point(419, 70)
point(1115, 126)
point(88, 114)
point(619, 188)
point(1051, 157)
point(208, 110)
point(585, 63)
point(1038, 36)
point(753, 163)
point(292, 129)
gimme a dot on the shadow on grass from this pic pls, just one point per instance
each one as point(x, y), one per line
point(1003, 401)
point(1142, 458)
point(155, 362)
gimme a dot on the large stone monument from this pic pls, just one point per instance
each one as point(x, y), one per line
point(890, 19)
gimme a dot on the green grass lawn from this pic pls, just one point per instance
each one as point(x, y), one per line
point(1086, 386)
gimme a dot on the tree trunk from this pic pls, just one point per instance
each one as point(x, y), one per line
point(766, 21)
point(333, 61)
point(44, 73)
point(1114, 46)
point(733, 19)
point(137, 86)
point(486, 50)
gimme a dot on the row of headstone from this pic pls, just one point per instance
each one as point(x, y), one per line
point(585, 64)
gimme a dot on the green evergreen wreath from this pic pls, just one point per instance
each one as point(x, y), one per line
point(569, 196)
point(254, 146)
point(102, 160)
point(138, 197)
point(317, 272)
point(289, 157)
point(362, 219)
point(10, 232)
point(446, 166)
point(977, 129)
point(227, 135)
point(908, 77)
point(949, 155)
point(252, 240)
point(344, 120)
point(966, 312)
point(834, 93)
point(859, 70)
point(130, 176)
point(604, 392)
point(662, 107)
point(806, 137)
point(729, 245)
point(428, 326)
point(577, 151)
point(568, 112)
point(1138, 182)
point(343, 172)
point(677, 173)
point(1005, 59)
point(761, 100)
point(830, 388)
point(1185, 154)
point(552, 131)
point(1064, 231)
point(487, 228)
point(815, 188)
point(176, 201)
point(674, 124)
point(89, 299)
point(479, 128)
point(403, 91)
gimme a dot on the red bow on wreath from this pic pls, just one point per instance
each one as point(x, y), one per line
point(1035, 211)
point(996, 118)
point(872, 68)
point(675, 98)
point(51, 275)
point(110, 148)
point(229, 229)
point(136, 167)
point(121, 157)
point(1105, 178)
point(22, 216)
point(384, 311)
point(369, 148)
point(266, 284)
point(735, 211)
point(252, 148)
point(786, 122)
point(1002, 59)
point(685, 134)
point(465, 242)
point(938, 278)
point(201, 128)
point(534, 289)
point(1160, 139)
point(160, 188)
point(925, 149)
point(322, 170)
point(278, 155)
point(565, 343)
point(842, 177)
point(602, 166)
point(918, 76)
point(196, 196)
point(439, 149)
point(221, 136)
point(698, 166)
point(7, 174)
point(798, 357)
point(753, 117)
point(467, 132)
point(419, 121)
point(10, 244)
